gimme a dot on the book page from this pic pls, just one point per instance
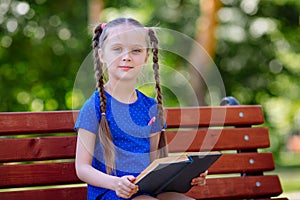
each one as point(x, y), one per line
point(202, 153)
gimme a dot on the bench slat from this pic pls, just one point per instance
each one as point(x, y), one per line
point(238, 188)
point(63, 121)
point(37, 122)
point(74, 193)
point(62, 147)
point(216, 116)
point(60, 173)
point(218, 139)
point(23, 175)
point(243, 163)
point(40, 148)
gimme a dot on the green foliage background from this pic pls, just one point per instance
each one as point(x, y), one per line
point(40, 53)
point(258, 56)
point(43, 43)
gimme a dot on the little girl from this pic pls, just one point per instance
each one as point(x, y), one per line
point(120, 130)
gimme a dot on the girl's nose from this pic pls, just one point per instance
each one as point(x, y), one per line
point(126, 57)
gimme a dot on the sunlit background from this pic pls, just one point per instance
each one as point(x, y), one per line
point(255, 45)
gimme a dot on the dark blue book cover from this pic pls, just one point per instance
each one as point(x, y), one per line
point(175, 173)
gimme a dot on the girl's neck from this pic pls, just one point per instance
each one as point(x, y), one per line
point(122, 91)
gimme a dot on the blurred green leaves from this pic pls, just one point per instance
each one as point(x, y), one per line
point(42, 44)
point(259, 60)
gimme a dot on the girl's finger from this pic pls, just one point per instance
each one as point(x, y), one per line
point(204, 174)
point(202, 182)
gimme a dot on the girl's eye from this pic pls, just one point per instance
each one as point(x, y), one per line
point(117, 49)
point(137, 51)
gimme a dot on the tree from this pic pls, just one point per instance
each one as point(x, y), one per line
point(256, 54)
point(42, 44)
point(205, 36)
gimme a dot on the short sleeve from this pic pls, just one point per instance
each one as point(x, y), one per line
point(156, 125)
point(87, 118)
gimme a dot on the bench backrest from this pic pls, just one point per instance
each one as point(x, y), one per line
point(37, 152)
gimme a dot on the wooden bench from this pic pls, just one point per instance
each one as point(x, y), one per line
point(37, 152)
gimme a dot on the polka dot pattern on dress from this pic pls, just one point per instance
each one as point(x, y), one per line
point(129, 129)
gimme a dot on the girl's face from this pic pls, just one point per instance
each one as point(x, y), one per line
point(124, 52)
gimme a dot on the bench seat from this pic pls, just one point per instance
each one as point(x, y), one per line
point(37, 151)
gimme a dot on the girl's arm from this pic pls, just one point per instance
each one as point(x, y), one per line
point(87, 173)
point(83, 162)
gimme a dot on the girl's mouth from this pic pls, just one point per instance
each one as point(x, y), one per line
point(125, 68)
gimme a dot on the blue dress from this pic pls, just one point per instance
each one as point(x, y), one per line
point(130, 130)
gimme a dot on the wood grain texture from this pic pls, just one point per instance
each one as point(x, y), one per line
point(38, 148)
point(218, 139)
point(33, 155)
point(214, 116)
point(37, 122)
point(24, 175)
point(63, 121)
point(71, 193)
point(62, 147)
point(238, 188)
point(17, 175)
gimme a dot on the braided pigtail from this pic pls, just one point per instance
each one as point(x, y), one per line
point(103, 131)
point(162, 145)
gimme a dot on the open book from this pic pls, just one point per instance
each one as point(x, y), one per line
point(174, 173)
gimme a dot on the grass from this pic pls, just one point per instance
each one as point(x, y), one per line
point(289, 177)
point(289, 171)
point(289, 174)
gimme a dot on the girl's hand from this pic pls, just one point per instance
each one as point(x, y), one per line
point(125, 188)
point(201, 180)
